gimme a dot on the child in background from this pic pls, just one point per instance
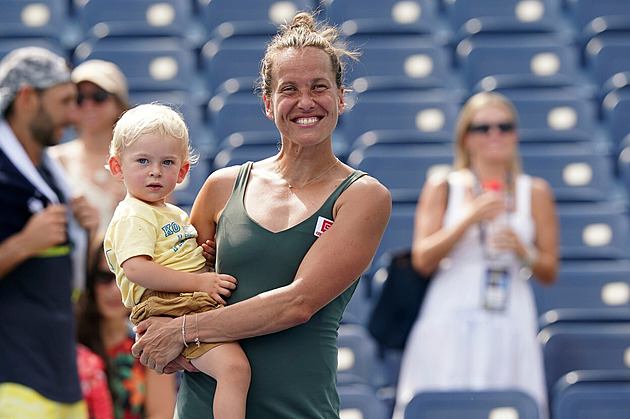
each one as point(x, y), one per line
point(151, 247)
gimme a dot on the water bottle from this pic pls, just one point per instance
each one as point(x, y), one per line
point(498, 261)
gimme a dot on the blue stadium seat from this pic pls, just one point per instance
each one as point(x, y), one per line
point(615, 111)
point(469, 17)
point(246, 17)
point(357, 401)
point(399, 62)
point(594, 230)
point(584, 13)
point(9, 44)
point(606, 55)
point(47, 19)
point(358, 361)
point(398, 234)
point(232, 58)
point(384, 16)
point(572, 346)
point(136, 18)
point(403, 169)
point(239, 155)
point(357, 310)
point(554, 114)
point(586, 288)
point(592, 394)
point(150, 64)
point(578, 172)
point(239, 112)
point(187, 191)
point(519, 58)
point(431, 111)
point(471, 405)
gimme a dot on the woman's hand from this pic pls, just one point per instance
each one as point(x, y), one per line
point(159, 341)
point(485, 206)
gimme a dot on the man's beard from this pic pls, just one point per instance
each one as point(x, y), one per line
point(43, 129)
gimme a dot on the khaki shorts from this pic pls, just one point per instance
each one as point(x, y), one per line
point(174, 304)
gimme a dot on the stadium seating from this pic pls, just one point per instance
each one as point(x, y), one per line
point(361, 402)
point(399, 62)
point(597, 394)
point(384, 16)
point(246, 17)
point(577, 172)
point(468, 17)
point(571, 346)
point(358, 360)
point(593, 231)
point(431, 111)
point(588, 288)
point(44, 19)
point(471, 405)
point(136, 18)
point(403, 168)
point(520, 58)
point(150, 64)
point(554, 114)
point(232, 58)
point(606, 55)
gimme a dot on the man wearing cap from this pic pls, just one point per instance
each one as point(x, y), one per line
point(42, 240)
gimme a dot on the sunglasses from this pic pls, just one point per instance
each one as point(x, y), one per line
point(104, 277)
point(485, 128)
point(97, 97)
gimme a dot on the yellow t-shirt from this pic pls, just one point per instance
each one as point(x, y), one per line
point(162, 233)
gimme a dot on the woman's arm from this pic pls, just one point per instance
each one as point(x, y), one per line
point(332, 264)
point(431, 241)
point(546, 241)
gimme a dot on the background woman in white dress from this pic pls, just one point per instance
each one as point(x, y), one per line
point(457, 343)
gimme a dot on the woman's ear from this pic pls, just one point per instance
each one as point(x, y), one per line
point(268, 108)
point(115, 168)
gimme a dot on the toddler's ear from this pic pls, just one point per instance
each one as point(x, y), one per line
point(114, 168)
point(183, 171)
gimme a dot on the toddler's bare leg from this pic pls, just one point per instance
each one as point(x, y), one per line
point(228, 365)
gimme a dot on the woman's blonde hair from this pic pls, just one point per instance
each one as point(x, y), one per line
point(152, 118)
point(472, 105)
point(305, 31)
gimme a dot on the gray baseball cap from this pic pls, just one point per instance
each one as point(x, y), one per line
point(33, 66)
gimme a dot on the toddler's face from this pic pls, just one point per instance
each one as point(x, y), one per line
point(152, 166)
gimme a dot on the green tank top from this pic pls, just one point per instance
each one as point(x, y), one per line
point(294, 372)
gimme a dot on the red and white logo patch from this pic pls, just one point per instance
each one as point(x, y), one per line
point(323, 224)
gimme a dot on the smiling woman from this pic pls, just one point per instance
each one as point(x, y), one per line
point(296, 230)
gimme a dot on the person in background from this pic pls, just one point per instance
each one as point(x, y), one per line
point(477, 329)
point(102, 97)
point(103, 326)
point(296, 229)
point(94, 384)
point(43, 240)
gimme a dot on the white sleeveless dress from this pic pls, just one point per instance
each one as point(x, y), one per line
point(455, 344)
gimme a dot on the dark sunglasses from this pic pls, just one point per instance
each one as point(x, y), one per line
point(97, 97)
point(485, 128)
point(104, 277)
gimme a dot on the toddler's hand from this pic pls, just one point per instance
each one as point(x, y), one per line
point(210, 253)
point(218, 285)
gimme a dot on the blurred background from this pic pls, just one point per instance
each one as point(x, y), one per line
point(564, 63)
